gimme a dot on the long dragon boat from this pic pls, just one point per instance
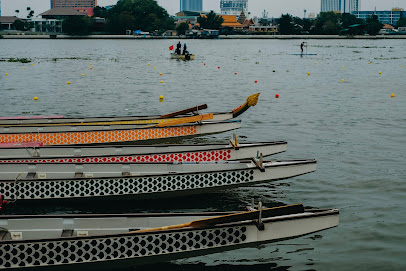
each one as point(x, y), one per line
point(43, 121)
point(113, 134)
point(112, 241)
point(140, 180)
point(140, 153)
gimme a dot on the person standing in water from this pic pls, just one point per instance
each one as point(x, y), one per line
point(303, 44)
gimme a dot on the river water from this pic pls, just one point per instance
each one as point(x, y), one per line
point(355, 130)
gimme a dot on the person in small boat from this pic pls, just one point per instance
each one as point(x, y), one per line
point(303, 44)
point(178, 48)
point(185, 52)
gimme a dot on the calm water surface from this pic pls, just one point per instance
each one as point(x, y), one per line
point(355, 130)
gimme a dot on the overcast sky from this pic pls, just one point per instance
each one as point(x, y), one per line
point(274, 7)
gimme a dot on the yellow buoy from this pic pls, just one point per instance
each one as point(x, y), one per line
point(162, 82)
point(83, 74)
point(6, 74)
point(160, 74)
point(154, 68)
point(68, 82)
point(392, 95)
point(32, 64)
point(161, 97)
point(308, 73)
point(369, 62)
point(35, 98)
point(91, 68)
point(90, 63)
point(149, 64)
point(25, 68)
point(380, 73)
point(401, 66)
point(342, 80)
point(315, 63)
point(342, 67)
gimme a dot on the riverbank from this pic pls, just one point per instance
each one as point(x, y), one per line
point(301, 37)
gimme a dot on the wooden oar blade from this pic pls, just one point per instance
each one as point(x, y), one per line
point(185, 111)
point(269, 212)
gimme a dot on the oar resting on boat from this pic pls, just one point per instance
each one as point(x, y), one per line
point(250, 215)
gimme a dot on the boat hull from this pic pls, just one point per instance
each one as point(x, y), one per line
point(108, 242)
point(140, 153)
point(114, 134)
point(142, 181)
point(182, 57)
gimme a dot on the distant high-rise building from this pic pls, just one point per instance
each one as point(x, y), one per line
point(344, 6)
point(330, 5)
point(233, 7)
point(191, 5)
point(73, 3)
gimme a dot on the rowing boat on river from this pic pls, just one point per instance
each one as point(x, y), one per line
point(111, 241)
point(142, 180)
point(124, 120)
point(182, 57)
point(139, 153)
point(113, 134)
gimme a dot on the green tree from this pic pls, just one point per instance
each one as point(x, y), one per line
point(146, 15)
point(286, 25)
point(19, 25)
point(76, 25)
point(100, 12)
point(401, 22)
point(210, 21)
point(373, 25)
point(181, 28)
point(328, 23)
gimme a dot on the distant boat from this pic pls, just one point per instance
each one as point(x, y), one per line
point(110, 241)
point(182, 57)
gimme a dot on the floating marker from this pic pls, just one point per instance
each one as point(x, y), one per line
point(315, 63)
point(204, 64)
point(276, 96)
point(91, 68)
point(149, 64)
point(308, 73)
point(32, 64)
point(256, 81)
point(68, 82)
point(401, 66)
point(218, 67)
point(35, 98)
point(392, 95)
point(25, 68)
point(369, 62)
point(342, 80)
point(380, 73)
point(83, 74)
point(275, 71)
point(162, 82)
point(6, 74)
point(342, 67)
point(235, 73)
point(160, 74)
point(161, 97)
point(90, 63)
point(154, 68)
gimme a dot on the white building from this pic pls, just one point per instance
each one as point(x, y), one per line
point(233, 7)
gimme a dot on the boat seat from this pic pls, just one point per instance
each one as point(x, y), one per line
point(3, 234)
point(31, 175)
point(67, 233)
point(78, 174)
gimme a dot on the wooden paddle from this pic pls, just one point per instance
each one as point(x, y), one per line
point(208, 116)
point(269, 212)
point(185, 111)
